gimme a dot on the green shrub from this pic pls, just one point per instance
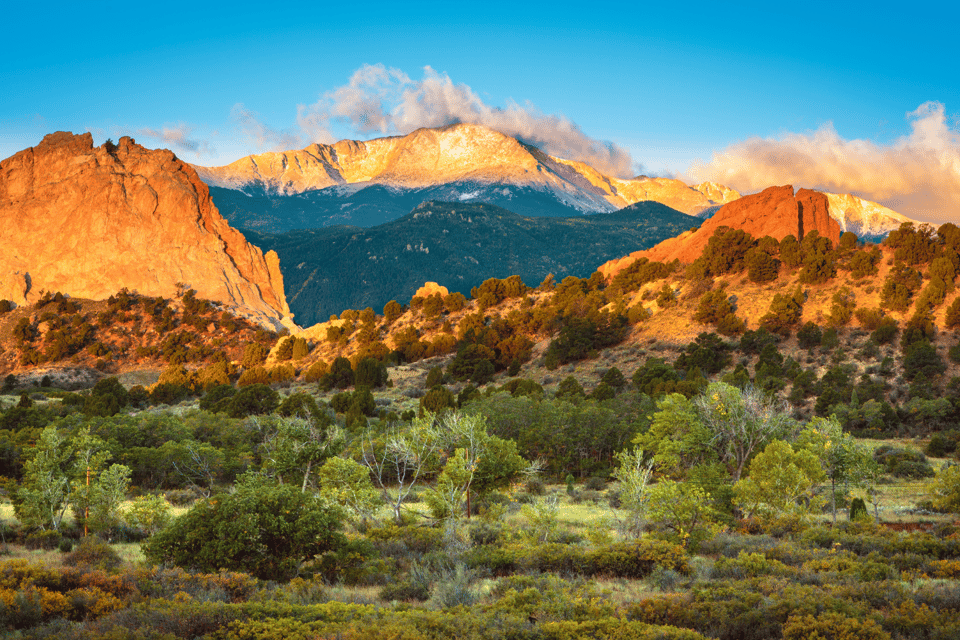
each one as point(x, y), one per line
point(406, 590)
point(93, 552)
point(148, 514)
point(943, 443)
point(265, 529)
point(218, 399)
point(43, 540)
point(831, 625)
point(255, 399)
point(635, 559)
point(809, 336)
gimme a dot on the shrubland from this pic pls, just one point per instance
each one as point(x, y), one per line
point(531, 462)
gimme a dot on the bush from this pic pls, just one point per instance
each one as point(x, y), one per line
point(903, 463)
point(340, 376)
point(886, 331)
point(218, 399)
point(634, 560)
point(255, 399)
point(316, 371)
point(944, 491)
point(371, 373)
point(595, 483)
point(300, 405)
point(809, 336)
point(784, 314)
point(943, 443)
point(409, 589)
point(43, 540)
point(265, 529)
point(831, 625)
point(93, 552)
point(148, 514)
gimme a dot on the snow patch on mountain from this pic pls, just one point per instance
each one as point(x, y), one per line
point(865, 218)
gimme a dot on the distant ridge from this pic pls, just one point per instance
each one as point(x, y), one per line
point(458, 245)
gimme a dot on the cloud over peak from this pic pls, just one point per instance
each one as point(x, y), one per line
point(917, 174)
point(378, 100)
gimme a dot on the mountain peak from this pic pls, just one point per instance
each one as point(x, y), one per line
point(454, 155)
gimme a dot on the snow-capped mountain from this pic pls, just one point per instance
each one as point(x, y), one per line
point(366, 183)
point(463, 162)
point(867, 219)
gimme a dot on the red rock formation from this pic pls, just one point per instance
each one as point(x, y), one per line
point(89, 221)
point(775, 212)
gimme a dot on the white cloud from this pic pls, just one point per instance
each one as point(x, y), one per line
point(179, 138)
point(262, 135)
point(381, 100)
point(917, 174)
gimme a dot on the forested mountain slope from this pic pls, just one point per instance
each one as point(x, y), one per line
point(458, 245)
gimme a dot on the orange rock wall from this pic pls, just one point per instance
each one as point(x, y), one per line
point(775, 212)
point(87, 222)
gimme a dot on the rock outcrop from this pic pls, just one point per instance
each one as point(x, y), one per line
point(89, 221)
point(431, 288)
point(775, 211)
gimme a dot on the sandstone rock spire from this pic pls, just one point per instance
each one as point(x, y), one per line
point(775, 211)
point(88, 221)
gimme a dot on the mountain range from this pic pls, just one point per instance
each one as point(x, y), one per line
point(456, 205)
point(367, 183)
point(364, 183)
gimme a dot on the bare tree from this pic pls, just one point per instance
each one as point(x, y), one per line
point(742, 422)
point(402, 456)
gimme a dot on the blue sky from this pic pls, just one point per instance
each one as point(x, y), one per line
point(669, 84)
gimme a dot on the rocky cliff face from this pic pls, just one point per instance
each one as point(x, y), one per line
point(89, 221)
point(776, 212)
point(457, 154)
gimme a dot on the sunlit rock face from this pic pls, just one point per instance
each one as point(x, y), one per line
point(463, 154)
point(776, 212)
point(89, 221)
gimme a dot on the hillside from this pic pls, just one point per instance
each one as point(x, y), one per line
point(76, 341)
point(899, 359)
point(458, 245)
point(776, 212)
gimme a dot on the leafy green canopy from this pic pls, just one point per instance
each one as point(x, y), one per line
point(265, 529)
